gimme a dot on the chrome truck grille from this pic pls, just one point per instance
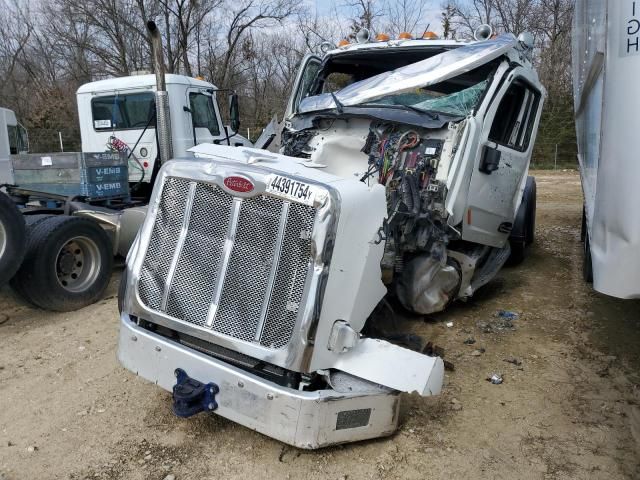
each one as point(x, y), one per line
point(233, 266)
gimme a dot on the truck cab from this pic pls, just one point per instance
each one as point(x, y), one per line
point(119, 113)
point(448, 127)
point(13, 140)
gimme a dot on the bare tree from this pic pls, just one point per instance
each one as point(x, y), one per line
point(364, 15)
point(405, 16)
point(188, 16)
point(468, 14)
point(250, 14)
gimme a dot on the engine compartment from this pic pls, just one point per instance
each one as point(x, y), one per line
point(411, 163)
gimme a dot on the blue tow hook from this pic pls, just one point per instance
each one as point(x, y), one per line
point(191, 396)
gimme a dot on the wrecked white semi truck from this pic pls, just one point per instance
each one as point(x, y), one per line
point(255, 275)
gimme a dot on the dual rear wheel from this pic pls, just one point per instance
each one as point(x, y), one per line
point(67, 263)
point(12, 238)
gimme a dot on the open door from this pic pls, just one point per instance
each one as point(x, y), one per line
point(502, 161)
point(307, 73)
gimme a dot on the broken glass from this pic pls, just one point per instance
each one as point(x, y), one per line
point(417, 75)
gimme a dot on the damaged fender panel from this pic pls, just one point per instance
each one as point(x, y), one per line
point(395, 367)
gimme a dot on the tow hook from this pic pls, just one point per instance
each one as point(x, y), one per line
point(191, 396)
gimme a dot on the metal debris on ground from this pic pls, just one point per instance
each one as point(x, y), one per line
point(433, 350)
point(496, 379)
point(449, 324)
point(500, 322)
point(507, 314)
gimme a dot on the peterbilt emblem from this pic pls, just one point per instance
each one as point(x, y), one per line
point(238, 184)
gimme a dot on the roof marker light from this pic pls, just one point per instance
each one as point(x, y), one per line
point(343, 43)
point(383, 37)
point(405, 36)
point(430, 36)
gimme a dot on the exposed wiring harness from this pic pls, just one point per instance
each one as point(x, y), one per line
point(391, 148)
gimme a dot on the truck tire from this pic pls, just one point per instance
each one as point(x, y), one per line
point(30, 221)
point(587, 262)
point(67, 265)
point(531, 194)
point(523, 232)
point(518, 252)
point(33, 220)
point(12, 238)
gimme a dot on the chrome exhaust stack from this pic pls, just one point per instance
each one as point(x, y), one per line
point(163, 118)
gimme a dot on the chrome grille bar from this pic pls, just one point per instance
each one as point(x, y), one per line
point(224, 264)
point(274, 268)
point(179, 245)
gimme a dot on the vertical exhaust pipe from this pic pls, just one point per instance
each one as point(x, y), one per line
point(163, 118)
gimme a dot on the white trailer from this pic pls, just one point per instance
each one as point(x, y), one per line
point(606, 68)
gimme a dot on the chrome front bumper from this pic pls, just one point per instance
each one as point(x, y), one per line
point(302, 419)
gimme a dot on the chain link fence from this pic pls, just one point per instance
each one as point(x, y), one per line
point(45, 140)
point(551, 155)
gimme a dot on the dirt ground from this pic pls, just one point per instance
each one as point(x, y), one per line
point(570, 410)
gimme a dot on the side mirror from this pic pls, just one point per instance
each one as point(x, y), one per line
point(234, 112)
point(490, 160)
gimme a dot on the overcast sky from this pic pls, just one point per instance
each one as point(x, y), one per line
point(430, 16)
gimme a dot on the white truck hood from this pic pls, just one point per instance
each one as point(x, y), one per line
point(420, 74)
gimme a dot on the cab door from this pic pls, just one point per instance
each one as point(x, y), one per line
point(502, 160)
point(205, 118)
point(305, 78)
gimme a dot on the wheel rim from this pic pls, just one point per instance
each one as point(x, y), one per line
point(78, 264)
point(3, 239)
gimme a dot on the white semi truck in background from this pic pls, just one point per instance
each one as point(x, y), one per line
point(606, 69)
point(76, 210)
point(257, 282)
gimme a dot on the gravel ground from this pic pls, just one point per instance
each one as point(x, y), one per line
point(569, 406)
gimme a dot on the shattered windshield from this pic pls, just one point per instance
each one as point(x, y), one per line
point(464, 71)
point(457, 104)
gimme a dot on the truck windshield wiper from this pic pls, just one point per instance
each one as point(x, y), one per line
point(339, 106)
point(432, 115)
